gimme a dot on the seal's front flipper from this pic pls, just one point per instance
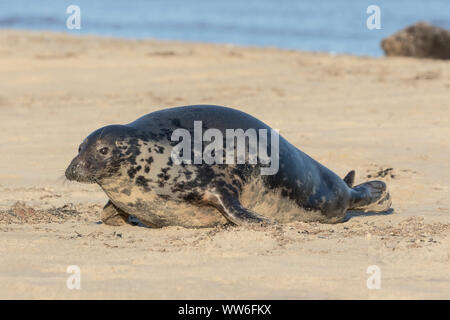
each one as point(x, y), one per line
point(349, 179)
point(233, 211)
point(113, 216)
point(370, 196)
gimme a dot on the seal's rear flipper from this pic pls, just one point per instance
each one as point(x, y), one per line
point(349, 179)
point(232, 210)
point(370, 196)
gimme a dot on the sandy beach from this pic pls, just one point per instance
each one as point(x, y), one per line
point(386, 118)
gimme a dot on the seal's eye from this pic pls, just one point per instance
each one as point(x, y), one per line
point(104, 150)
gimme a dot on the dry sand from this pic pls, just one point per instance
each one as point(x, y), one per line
point(347, 112)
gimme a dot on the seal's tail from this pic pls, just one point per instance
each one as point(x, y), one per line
point(350, 178)
point(368, 196)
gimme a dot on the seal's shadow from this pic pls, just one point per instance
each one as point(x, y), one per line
point(355, 213)
point(350, 214)
point(132, 221)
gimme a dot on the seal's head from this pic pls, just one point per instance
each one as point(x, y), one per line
point(100, 155)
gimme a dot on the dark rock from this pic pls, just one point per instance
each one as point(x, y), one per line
point(421, 40)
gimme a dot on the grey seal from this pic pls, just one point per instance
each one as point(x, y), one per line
point(134, 165)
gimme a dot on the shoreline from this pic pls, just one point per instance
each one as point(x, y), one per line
point(74, 34)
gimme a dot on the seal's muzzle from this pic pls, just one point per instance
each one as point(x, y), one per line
point(76, 172)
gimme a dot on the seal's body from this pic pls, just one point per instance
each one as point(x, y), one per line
point(134, 165)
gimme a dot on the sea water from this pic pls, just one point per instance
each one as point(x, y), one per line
point(334, 26)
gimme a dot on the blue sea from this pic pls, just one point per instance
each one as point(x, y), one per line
point(335, 26)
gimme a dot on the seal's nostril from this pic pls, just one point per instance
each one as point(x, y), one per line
point(70, 172)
